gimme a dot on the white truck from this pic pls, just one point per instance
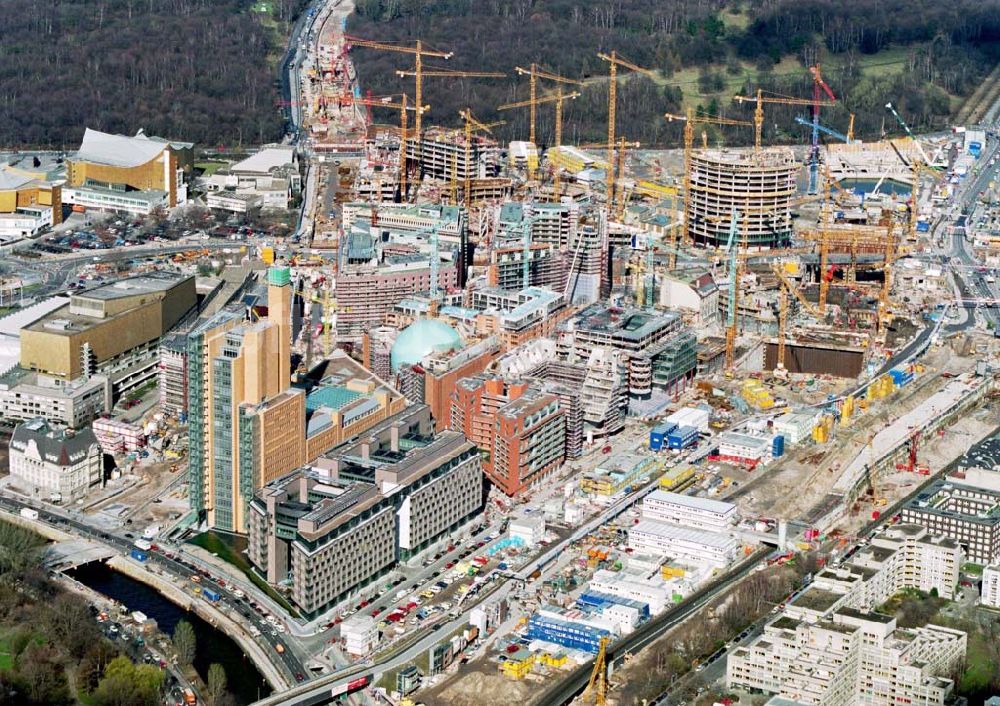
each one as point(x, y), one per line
point(29, 513)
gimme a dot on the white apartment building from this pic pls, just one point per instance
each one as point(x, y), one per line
point(698, 546)
point(688, 511)
point(990, 596)
point(615, 583)
point(59, 463)
point(827, 648)
point(850, 658)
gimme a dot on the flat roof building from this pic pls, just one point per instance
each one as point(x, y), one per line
point(665, 539)
point(689, 511)
point(968, 515)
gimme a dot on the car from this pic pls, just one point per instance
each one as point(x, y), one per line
point(221, 583)
point(449, 565)
point(967, 584)
point(299, 676)
point(427, 594)
point(196, 578)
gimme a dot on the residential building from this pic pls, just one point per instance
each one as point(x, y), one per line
point(967, 514)
point(675, 541)
point(359, 511)
point(658, 347)
point(990, 592)
point(979, 467)
point(850, 658)
point(245, 425)
point(25, 395)
point(689, 511)
point(128, 174)
point(444, 369)
point(520, 430)
point(61, 464)
point(517, 317)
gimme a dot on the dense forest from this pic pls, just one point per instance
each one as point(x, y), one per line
point(198, 70)
point(923, 55)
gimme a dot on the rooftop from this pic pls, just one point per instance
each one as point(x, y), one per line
point(61, 447)
point(629, 323)
point(718, 507)
point(122, 151)
point(270, 157)
point(663, 530)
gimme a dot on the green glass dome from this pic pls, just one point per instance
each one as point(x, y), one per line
point(420, 338)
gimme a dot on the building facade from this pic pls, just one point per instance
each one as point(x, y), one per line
point(520, 430)
point(60, 464)
point(967, 514)
point(242, 413)
point(362, 509)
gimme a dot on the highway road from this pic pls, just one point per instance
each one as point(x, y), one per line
point(179, 568)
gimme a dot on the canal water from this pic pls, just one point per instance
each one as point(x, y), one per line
point(244, 681)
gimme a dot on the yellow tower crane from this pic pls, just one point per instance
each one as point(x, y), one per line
point(535, 72)
point(758, 114)
point(690, 120)
point(531, 103)
point(617, 187)
point(473, 125)
point(614, 62)
point(402, 107)
point(419, 52)
point(598, 684)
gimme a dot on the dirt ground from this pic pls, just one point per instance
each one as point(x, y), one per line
point(796, 485)
point(482, 687)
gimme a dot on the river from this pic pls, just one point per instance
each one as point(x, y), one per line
point(245, 682)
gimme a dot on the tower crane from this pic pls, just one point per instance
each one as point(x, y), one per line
point(690, 120)
point(473, 125)
point(732, 248)
point(535, 72)
point(906, 128)
point(597, 686)
point(758, 114)
point(419, 52)
point(780, 368)
point(819, 88)
point(828, 131)
point(616, 186)
point(614, 61)
point(402, 107)
point(531, 103)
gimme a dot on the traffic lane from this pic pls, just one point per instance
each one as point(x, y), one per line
point(125, 546)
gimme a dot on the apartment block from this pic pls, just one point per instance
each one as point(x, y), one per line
point(849, 658)
point(520, 429)
point(990, 593)
point(827, 647)
point(349, 519)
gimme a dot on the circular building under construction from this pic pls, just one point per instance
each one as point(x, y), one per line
point(759, 185)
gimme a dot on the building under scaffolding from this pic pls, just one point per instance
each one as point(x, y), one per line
point(759, 185)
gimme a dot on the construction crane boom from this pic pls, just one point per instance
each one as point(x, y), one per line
point(472, 124)
point(819, 88)
point(690, 120)
point(597, 686)
point(419, 52)
point(402, 107)
point(614, 62)
point(532, 103)
point(758, 115)
point(824, 129)
point(906, 128)
point(534, 73)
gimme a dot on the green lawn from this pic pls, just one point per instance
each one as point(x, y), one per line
point(972, 569)
point(230, 548)
point(209, 168)
point(6, 659)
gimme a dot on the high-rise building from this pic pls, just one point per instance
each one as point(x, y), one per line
point(345, 522)
point(759, 185)
point(246, 425)
point(520, 430)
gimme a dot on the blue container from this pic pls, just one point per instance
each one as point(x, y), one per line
point(658, 434)
point(138, 555)
point(682, 437)
point(900, 377)
point(975, 148)
point(778, 446)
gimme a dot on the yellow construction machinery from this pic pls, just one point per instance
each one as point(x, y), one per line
point(402, 107)
point(614, 61)
point(535, 72)
point(758, 114)
point(419, 52)
point(690, 120)
point(531, 103)
point(597, 687)
point(473, 125)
